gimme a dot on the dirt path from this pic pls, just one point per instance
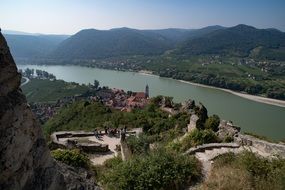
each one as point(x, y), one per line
point(99, 159)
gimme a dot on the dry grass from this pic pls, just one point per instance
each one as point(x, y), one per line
point(246, 171)
point(228, 178)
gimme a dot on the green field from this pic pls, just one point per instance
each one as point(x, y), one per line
point(43, 90)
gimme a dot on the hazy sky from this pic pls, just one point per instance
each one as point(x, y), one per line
point(70, 16)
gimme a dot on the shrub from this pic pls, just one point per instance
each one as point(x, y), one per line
point(174, 146)
point(113, 162)
point(157, 100)
point(202, 113)
point(198, 137)
point(71, 157)
point(158, 170)
point(225, 159)
point(213, 123)
point(168, 136)
point(228, 139)
point(138, 145)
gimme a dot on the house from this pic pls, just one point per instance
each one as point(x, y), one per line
point(139, 99)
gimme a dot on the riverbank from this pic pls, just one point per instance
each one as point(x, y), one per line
point(275, 102)
point(260, 99)
point(270, 101)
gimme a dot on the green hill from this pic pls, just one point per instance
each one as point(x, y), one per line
point(239, 41)
point(93, 44)
point(44, 90)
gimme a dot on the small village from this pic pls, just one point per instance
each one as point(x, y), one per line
point(114, 98)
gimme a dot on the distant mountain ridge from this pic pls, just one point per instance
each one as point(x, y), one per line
point(178, 35)
point(33, 46)
point(14, 32)
point(240, 40)
point(92, 44)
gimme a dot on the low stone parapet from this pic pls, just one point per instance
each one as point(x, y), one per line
point(91, 147)
point(210, 146)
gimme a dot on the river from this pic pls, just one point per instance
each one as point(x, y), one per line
point(259, 118)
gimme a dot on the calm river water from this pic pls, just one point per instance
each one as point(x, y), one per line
point(259, 118)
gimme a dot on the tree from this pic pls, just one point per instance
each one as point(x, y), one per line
point(108, 124)
point(28, 72)
point(168, 102)
point(202, 113)
point(129, 93)
point(177, 106)
point(39, 73)
point(96, 84)
point(213, 123)
point(157, 100)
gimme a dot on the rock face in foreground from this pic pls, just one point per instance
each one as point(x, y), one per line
point(25, 161)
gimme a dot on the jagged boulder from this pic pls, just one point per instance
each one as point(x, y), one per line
point(192, 124)
point(188, 105)
point(227, 130)
point(25, 160)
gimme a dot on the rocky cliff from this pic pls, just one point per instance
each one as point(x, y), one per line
point(25, 161)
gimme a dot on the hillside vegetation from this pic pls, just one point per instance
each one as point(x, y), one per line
point(246, 171)
point(86, 115)
point(156, 160)
point(225, 72)
point(237, 41)
point(158, 170)
point(94, 44)
point(43, 90)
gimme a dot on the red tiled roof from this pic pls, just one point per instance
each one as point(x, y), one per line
point(140, 95)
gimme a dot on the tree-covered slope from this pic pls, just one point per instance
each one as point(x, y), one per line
point(240, 41)
point(44, 90)
point(92, 44)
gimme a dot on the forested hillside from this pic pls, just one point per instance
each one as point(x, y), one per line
point(92, 44)
point(241, 41)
